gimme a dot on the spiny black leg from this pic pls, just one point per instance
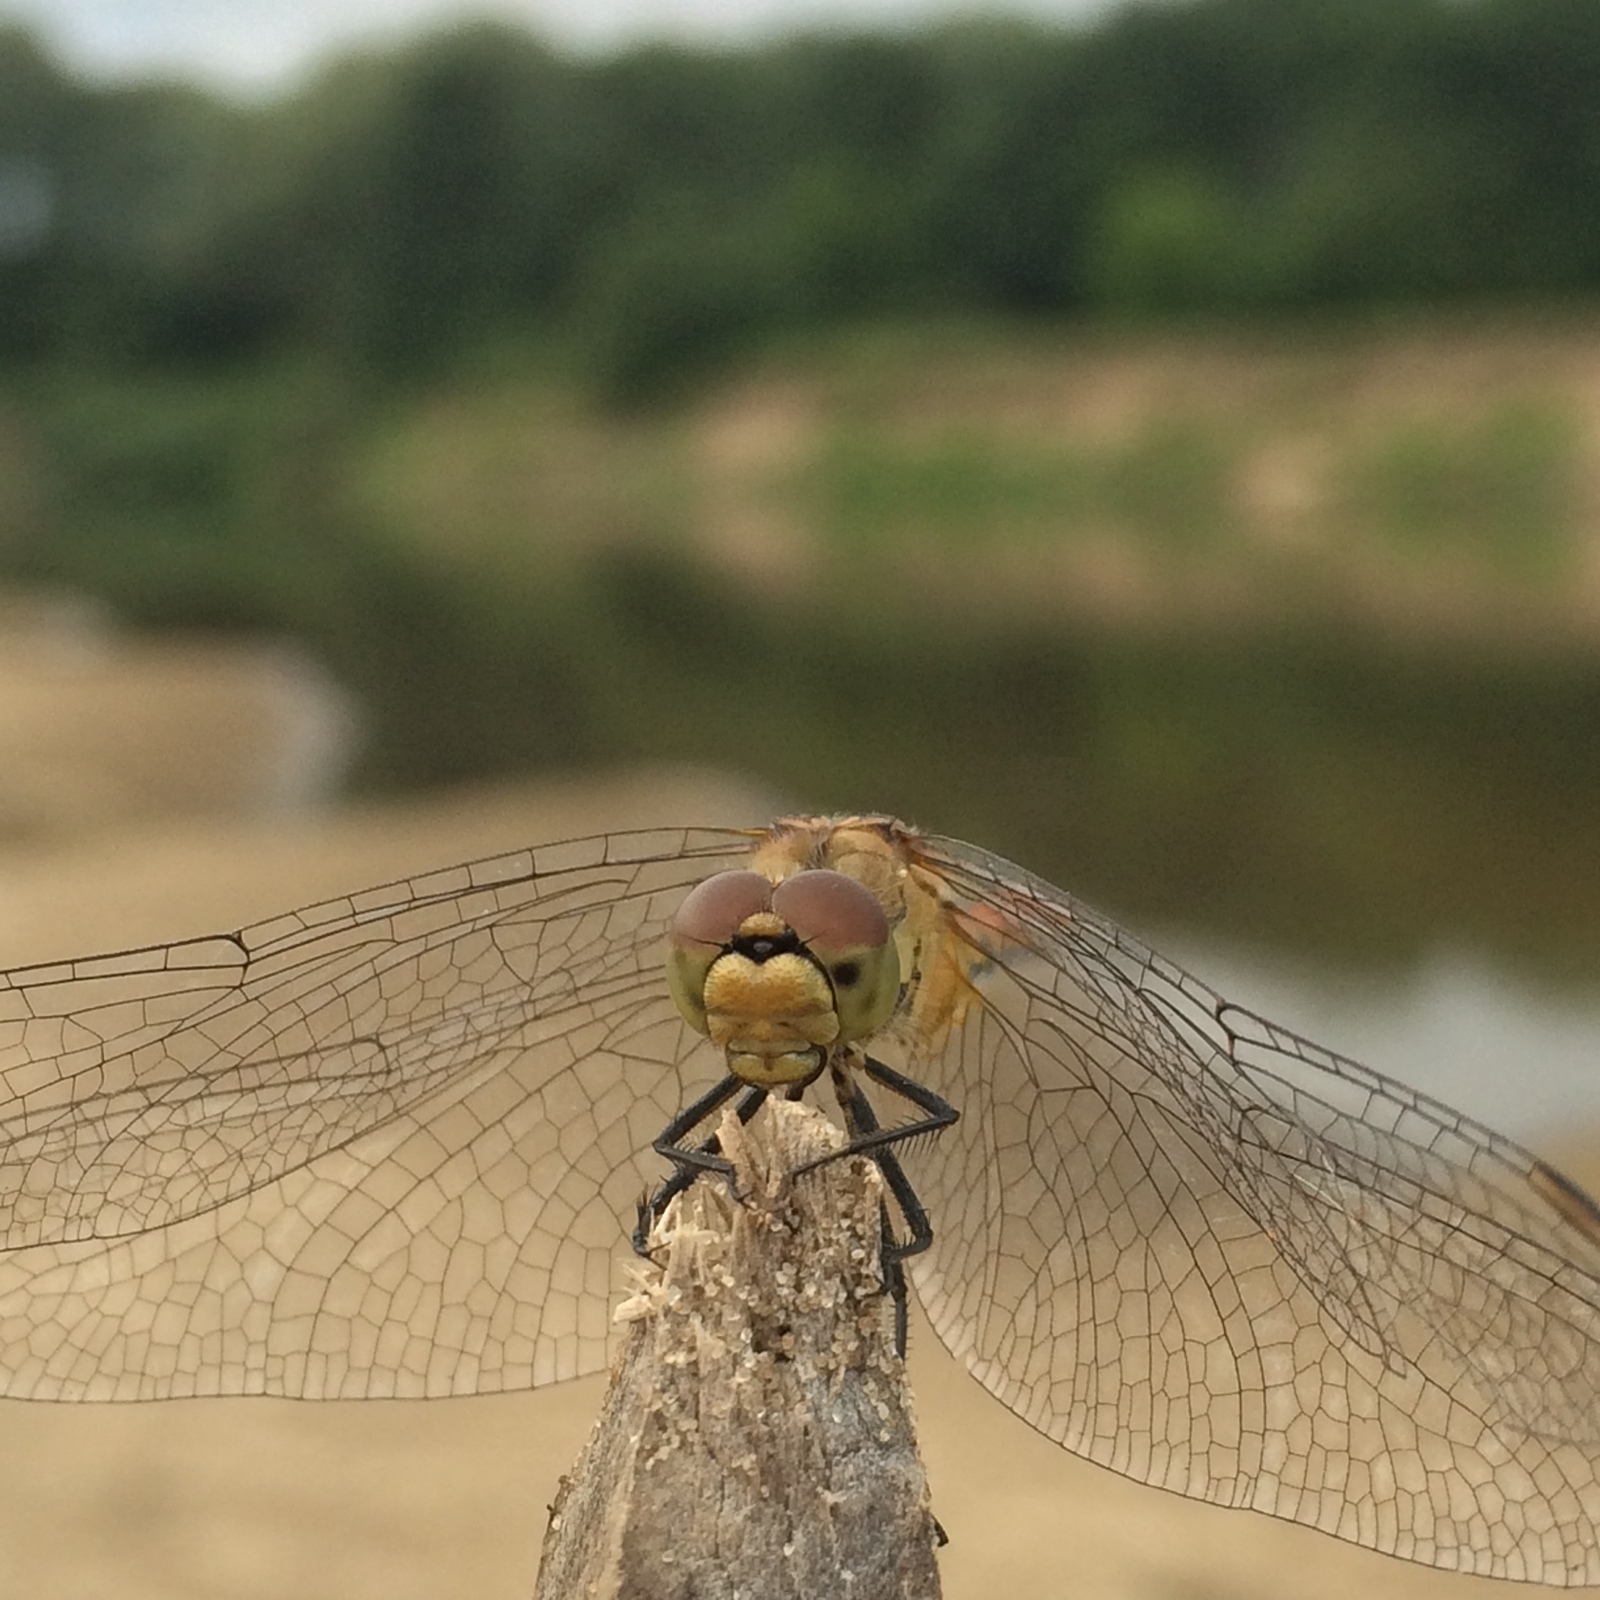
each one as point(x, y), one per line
point(940, 1114)
point(894, 1285)
point(861, 1123)
point(704, 1157)
point(859, 1118)
point(690, 1163)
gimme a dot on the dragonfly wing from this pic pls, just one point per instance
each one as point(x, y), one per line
point(386, 1146)
point(1198, 1250)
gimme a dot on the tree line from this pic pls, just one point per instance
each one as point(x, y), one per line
point(644, 214)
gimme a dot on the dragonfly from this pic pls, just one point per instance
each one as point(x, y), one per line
point(393, 1145)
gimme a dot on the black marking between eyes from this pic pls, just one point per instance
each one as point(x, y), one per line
point(761, 947)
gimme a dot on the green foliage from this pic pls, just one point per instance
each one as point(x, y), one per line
point(641, 217)
point(179, 501)
point(1502, 485)
point(869, 489)
point(673, 300)
point(1167, 241)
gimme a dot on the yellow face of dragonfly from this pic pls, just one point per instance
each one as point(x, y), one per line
point(778, 973)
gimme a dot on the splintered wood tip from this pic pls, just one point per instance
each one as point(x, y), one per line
point(756, 1439)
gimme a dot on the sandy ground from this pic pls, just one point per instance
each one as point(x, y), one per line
point(100, 729)
point(263, 1500)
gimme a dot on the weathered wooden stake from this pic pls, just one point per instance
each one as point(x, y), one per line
point(756, 1442)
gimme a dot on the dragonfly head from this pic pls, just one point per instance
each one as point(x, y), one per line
point(776, 974)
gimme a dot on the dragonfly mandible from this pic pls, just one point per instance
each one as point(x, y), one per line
point(393, 1144)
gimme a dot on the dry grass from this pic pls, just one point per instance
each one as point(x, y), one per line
point(1428, 478)
point(1425, 480)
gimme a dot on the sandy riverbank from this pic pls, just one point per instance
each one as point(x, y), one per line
point(258, 1500)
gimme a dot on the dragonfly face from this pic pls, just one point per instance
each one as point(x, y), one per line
point(392, 1146)
point(775, 974)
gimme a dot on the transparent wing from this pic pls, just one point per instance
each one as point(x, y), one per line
point(1206, 1253)
point(384, 1145)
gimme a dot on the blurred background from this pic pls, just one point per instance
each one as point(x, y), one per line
point(1158, 442)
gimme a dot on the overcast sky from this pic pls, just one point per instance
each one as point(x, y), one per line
point(263, 43)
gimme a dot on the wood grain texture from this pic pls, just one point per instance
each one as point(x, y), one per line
point(756, 1440)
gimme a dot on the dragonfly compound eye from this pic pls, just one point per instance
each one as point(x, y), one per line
point(702, 928)
point(844, 927)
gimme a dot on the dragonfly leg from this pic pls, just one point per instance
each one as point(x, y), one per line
point(867, 1137)
point(872, 1139)
point(692, 1161)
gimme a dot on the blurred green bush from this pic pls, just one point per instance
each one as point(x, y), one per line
point(868, 489)
point(638, 218)
point(1502, 485)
